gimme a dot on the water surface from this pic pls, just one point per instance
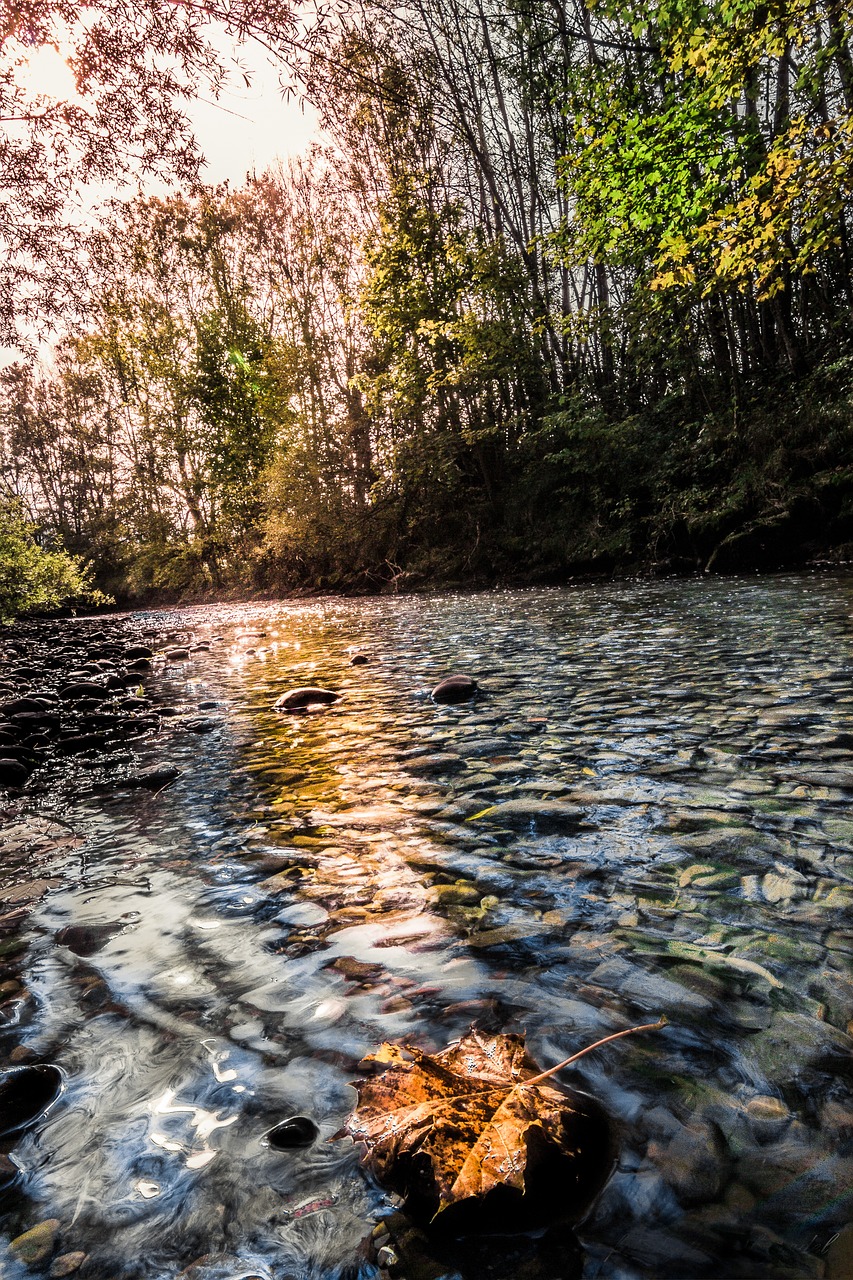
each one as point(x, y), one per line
point(313, 885)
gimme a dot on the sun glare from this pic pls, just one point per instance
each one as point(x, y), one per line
point(45, 74)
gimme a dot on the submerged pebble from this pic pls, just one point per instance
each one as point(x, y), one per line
point(292, 1134)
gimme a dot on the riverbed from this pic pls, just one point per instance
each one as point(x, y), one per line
point(646, 811)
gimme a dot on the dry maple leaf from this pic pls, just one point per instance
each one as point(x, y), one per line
point(455, 1125)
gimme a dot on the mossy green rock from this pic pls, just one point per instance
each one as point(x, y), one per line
point(36, 1245)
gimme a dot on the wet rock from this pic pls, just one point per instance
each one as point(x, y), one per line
point(84, 689)
point(793, 1042)
point(202, 724)
point(66, 1264)
point(293, 1134)
point(36, 1245)
point(25, 1094)
point(456, 895)
point(533, 815)
point(454, 689)
point(359, 660)
point(155, 779)
point(177, 655)
point(13, 773)
point(777, 887)
point(304, 699)
point(438, 762)
point(87, 939)
point(693, 1163)
point(19, 705)
point(136, 651)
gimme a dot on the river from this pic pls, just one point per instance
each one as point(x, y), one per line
point(391, 869)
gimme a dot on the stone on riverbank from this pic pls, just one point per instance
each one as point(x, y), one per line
point(305, 698)
point(454, 689)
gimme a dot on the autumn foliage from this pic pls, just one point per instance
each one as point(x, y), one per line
point(478, 1123)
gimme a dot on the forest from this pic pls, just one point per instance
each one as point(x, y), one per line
point(565, 289)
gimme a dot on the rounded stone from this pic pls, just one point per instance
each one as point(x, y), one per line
point(304, 699)
point(36, 1245)
point(453, 689)
point(13, 773)
point(25, 1094)
point(292, 1134)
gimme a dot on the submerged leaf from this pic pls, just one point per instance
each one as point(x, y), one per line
point(475, 1118)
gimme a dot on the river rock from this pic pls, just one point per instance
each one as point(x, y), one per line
point(36, 1245)
point(87, 939)
point(202, 724)
point(292, 1134)
point(136, 651)
point(25, 1094)
point(83, 689)
point(305, 698)
point(455, 689)
point(359, 660)
point(18, 705)
point(13, 773)
point(531, 815)
point(66, 1264)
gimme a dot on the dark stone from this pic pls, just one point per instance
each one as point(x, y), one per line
point(177, 655)
point(455, 689)
point(292, 1134)
point(359, 660)
point(202, 724)
point(303, 699)
point(87, 939)
point(25, 1094)
point(137, 651)
point(83, 689)
point(13, 773)
point(154, 779)
point(32, 721)
point(139, 665)
point(9, 1173)
point(18, 705)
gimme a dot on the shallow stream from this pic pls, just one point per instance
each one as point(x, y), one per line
point(392, 869)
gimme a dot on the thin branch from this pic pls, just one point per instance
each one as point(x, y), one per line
point(617, 1035)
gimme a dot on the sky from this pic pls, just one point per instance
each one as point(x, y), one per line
point(246, 129)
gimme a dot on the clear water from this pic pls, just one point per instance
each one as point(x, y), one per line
point(285, 906)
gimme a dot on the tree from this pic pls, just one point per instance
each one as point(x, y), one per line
point(120, 116)
point(34, 578)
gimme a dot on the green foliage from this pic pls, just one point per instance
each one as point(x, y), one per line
point(34, 579)
point(679, 173)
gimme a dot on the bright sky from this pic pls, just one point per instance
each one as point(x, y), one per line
point(245, 130)
point(248, 128)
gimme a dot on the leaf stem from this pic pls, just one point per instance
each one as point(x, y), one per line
point(617, 1035)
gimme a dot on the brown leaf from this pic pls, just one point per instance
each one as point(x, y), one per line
point(464, 1121)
